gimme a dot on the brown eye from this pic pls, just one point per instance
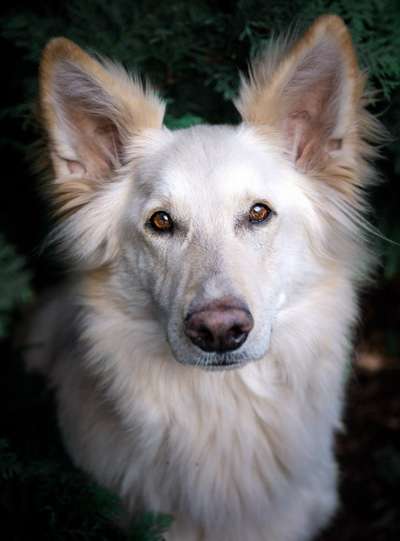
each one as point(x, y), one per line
point(161, 222)
point(259, 213)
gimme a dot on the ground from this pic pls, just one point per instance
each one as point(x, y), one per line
point(369, 458)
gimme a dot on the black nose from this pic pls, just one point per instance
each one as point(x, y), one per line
point(221, 325)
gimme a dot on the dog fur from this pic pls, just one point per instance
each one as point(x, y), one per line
point(239, 454)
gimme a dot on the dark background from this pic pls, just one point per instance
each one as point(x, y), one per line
point(192, 52)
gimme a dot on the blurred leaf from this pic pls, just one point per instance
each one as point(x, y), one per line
point(185, 121)
point(14, 283)
point(149, 527)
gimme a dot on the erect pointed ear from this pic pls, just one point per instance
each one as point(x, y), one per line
point(310, 94)
point(90, 110)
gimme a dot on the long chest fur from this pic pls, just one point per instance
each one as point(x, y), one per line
point(211, 448)
point(177, 439)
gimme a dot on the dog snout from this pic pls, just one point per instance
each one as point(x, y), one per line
point(219, 326)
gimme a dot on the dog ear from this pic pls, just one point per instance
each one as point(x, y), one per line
point(310, 95)
point(90, 109)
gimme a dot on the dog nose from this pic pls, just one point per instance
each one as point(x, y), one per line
point(222, 325)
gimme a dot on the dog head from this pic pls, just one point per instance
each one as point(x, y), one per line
point(213, 230)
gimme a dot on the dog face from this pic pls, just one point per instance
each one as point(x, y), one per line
point(214, 228)
point(222, 260)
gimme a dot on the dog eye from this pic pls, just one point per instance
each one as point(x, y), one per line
point(161, 222)
point(259, 213)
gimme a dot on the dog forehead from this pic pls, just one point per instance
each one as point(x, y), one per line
point(215, 160)
point(219, 170)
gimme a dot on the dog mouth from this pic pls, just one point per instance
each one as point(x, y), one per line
point(222, 366)
point(219, 362)
point(216, 361)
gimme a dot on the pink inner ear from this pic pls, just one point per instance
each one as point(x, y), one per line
point(95, 139)
point(110, 140)
point(88, 114)
point(311, 121)
point(75, 168)
point(311, 100)
point(297, 128)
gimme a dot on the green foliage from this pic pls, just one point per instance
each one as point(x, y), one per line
point(184, 121)
point(53, 496)
point(192, 51)
point(374, 28)
point(149, 527)
point(10, 466)
point(14, 283)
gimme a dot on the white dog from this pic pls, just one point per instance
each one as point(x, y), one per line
point(200, 352)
